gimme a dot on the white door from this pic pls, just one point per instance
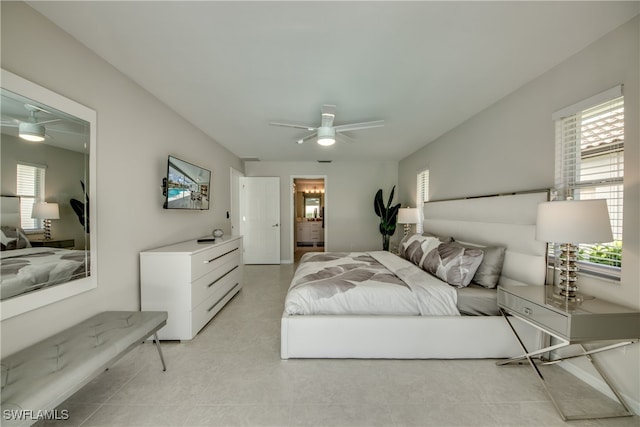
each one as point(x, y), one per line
point(260, 219)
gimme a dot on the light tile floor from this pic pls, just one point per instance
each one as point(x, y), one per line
point(231, 375)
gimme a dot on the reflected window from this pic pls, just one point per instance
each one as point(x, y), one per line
point(30, 181)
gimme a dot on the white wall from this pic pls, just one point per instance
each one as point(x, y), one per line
point(510, 147)
point(135, 133)
point(351, 223)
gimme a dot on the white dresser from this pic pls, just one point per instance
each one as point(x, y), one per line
point(191, 281)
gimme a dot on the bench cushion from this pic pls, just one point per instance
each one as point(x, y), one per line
point(45, 374)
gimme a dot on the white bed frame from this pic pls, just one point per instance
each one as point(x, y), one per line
point(506, 220)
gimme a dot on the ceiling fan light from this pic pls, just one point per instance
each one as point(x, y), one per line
point(326, 136)
point(31, 132)
point(326, 141)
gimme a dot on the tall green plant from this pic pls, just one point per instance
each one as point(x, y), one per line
point(388, 216)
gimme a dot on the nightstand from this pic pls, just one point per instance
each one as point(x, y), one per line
point(53, 243)
point(570, 323)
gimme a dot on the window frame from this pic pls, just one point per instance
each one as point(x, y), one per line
point(422, 195)
point(30, 193)
point(603, 174)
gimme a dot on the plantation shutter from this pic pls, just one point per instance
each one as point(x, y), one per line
point(30, 188)
point(422, 195)
point(590, 165)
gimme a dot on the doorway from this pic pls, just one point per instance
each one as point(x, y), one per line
point(309, 219)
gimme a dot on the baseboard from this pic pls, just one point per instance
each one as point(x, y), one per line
point(599, 385)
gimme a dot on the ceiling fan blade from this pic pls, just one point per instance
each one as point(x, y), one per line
point(289, 125)
point(358, 126)
point(345, 138)
point(68, 132)
point(47, 121)
point(306, 138)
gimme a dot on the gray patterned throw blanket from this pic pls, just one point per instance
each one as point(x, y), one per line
point(28, 269)
point(366, 283)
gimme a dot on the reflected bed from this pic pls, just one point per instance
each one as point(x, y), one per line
point(25, 268)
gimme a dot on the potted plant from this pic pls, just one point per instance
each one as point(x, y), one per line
point(388, 216)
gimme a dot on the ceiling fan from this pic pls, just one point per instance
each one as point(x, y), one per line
point(327, 132)
point(31, 130)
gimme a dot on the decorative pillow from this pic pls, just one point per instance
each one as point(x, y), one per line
point(13, 238)
point(453, 264)
point(414, 247)
point(490, 268)
point(443, 239)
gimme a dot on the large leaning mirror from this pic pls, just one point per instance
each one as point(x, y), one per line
point(47, 214)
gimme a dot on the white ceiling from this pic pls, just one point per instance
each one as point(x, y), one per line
point(424, 67)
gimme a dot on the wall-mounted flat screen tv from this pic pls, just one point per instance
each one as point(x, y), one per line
point(186, 186)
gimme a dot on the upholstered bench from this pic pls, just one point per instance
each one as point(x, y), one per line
point(37, 379)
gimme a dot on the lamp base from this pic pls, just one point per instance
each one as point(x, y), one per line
point(568, 271)
point(47, 229)
point(407, 229)
point(556, 298)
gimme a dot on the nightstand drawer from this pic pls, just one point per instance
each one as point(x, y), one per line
point(535, 313)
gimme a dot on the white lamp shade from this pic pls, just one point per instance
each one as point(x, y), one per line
point(408, 216)
point(574, 221)
point(43, 210)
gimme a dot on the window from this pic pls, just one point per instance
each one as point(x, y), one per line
point(590, 165)
point(422, 195)
point(30, 188)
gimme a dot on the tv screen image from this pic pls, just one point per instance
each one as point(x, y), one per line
point(187, 185)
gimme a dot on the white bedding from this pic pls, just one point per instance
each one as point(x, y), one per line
point(364, 283)
point(27, 269)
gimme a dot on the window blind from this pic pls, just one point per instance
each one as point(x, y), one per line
point(30, 188)
point(422, 195)
point(590, 165)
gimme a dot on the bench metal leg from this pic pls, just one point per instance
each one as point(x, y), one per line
point(157, 341)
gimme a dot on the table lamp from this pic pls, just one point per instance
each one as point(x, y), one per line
point(567, 223)
point(47, 212)
point(408, 216)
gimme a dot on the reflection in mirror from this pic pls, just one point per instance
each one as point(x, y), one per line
point(311, 207)
point(46, 151)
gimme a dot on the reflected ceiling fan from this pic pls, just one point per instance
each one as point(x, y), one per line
point(31, 130)
point(327, 132)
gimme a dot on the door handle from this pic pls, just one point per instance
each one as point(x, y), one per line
point(275, 225)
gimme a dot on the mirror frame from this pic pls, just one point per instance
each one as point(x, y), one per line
point(40, 298)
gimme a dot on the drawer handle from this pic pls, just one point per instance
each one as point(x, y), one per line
point(527, 311)
point(220, 256)
point(223, 297)
point(220, 278)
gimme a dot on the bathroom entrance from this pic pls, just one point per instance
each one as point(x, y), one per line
point(309, 226)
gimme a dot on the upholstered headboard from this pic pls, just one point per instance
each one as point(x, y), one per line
point(10, 211)
point(504, 220)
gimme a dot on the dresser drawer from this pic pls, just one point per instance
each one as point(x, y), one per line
point(535, 313)
point(205, 261)
point(205, 311)
point(204, 287)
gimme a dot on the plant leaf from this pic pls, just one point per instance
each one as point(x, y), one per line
point(378, 204)
point(391, 197)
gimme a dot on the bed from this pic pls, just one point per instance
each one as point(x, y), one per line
point(441, 321)
point(25, 268)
